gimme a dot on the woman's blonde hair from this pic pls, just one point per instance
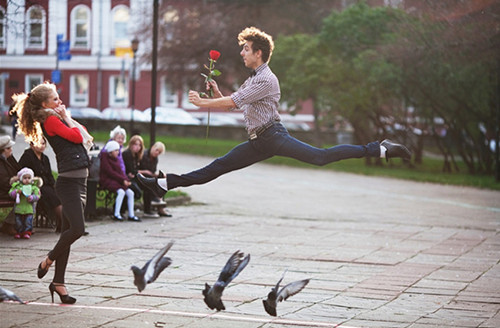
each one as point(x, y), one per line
point(134, 139)
point(160, 145)
point(28, 106)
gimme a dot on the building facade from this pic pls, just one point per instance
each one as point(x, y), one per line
point(83, 46)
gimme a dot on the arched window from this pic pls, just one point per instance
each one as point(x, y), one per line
point(2, 27)
point(80, 27)
point(121, 18)
point(35, 29)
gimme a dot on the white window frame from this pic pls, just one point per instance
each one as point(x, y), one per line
point(121, 42)
point(2, 29)
point(78, 99)
point(74, 39)
point(28, 77)
point(40, 44)
point(113, 98)
point(168, 97)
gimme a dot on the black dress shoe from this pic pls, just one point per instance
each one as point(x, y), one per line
point(117, 218)
point(164, 213)
point(152, 185)
point(395, 150)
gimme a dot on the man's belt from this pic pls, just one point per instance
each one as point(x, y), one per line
point(262, 129)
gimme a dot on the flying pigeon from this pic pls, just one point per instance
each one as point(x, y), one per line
point(152, 269)
point(233, 267)
point(289, 290)
point(7, 295)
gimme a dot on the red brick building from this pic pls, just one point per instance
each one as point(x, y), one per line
point(95, 31)
point(37, 37)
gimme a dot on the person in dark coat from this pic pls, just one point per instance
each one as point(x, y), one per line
point(148, 168)
point(132, 157)
point(8, 168)
point(35, 159)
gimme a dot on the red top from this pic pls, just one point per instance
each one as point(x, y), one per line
point(54, 126)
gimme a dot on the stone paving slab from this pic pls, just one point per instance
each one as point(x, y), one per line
point(379, 252)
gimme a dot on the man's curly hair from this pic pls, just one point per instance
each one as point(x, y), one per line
point(260, 41)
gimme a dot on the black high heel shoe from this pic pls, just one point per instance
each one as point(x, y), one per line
point(65, 299)
point(41, 271)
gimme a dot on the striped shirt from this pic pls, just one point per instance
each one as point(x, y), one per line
point(259, 97)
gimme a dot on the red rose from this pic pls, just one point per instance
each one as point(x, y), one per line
point(214, 54)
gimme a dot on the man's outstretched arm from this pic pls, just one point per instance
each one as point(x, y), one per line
point(222, 102)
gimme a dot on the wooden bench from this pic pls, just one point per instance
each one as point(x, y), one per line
point(106, 196)
point(96, 193)
point(6, 203)
point(41, 219)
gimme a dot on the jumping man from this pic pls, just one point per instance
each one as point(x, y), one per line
point(258, 98)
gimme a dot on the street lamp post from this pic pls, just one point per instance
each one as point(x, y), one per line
point(154, 64)
point(134, 46)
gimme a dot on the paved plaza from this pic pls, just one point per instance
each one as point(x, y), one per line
point(379, 252)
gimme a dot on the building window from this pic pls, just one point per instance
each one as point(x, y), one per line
point(31, 81)
point(121, 18)
point(35, 29)
point(2, 27)
point(80, 27)
point(168, 96)
point(79, 90)
point(118, 91)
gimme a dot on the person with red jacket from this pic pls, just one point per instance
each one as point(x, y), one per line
point(42, 114)
point(112, 178)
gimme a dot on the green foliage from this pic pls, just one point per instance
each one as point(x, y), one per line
point(370, 65)
point(300, 62)
point(358, 28)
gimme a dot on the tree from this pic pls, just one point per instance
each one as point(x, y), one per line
point(447, 56)
point(303, 68)
point(191, 28)
point(364, 88)
point(439, 63)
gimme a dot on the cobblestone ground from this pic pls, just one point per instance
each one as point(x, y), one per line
point(379, 252)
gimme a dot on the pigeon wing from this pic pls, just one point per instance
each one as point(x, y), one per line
point(160, 266)
point(279, 282)
point(291, 289)
point(270, 302)
point(152, 265)
point(230, 266)
point(233, 267)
